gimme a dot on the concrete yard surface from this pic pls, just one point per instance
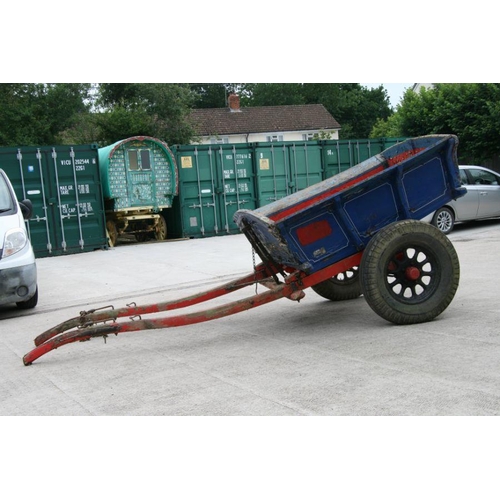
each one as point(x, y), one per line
point(313, 358)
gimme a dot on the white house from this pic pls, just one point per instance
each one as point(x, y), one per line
point(263, 123)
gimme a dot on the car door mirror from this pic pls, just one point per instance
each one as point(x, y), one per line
point(26, 208)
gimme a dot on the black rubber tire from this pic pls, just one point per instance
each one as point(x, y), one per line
point(409, 272)
point(343, 286)
point(30, 303)
point(161, 229)
point(444, 220)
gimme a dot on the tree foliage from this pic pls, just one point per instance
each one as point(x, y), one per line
point(36, 113)
point(212, 95)
point(471, 111)
point(81, 113)
point(156, 109)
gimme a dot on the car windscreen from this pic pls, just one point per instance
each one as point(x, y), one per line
point(7, 205)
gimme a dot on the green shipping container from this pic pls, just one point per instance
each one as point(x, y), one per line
point(339, 156)
point(63, 184)
point(284, 168)
point(214, 182)
point(217, 180)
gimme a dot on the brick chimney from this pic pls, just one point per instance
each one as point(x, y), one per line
point(234, 102)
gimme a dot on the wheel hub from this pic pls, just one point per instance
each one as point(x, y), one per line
point(412, 273)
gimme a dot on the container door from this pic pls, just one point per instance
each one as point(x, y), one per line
point(28, 174)
point(273, 172)
point(64, 187)
point(214, 182)
point(337, 157)
point(236, 179)
point(306, 167)
point(76, 198)
point(197, 192)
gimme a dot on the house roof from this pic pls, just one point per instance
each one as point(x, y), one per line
point(258, 119)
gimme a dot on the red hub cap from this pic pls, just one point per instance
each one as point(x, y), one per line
point(412, 273)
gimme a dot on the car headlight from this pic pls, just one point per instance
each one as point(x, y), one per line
point(15, 240)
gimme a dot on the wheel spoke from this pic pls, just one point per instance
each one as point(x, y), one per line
point(410, 273)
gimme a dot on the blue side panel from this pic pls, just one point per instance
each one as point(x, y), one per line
point(372, 210)
point(424, 186)
point(336, 241)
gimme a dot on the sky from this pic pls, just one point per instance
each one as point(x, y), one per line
point(394, 90)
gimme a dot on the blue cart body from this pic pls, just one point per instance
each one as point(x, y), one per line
point(334, 219)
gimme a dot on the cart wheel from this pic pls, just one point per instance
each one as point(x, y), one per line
point(409, 272)
point(161, 229)
point(112, 232)
point(343, 286)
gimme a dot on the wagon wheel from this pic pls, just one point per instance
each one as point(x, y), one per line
point(161, 229)
point(112, 232)
point(343, 286)
point(409, 272)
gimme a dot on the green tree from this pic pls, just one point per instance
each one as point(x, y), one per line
point(355, 107)
point(271, 94)
point(156, 109)
point(471, 111)
point(36, 113)
point(212, 95)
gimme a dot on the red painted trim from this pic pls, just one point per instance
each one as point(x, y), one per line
point(326, 194)
point(312, 201)
point(403, 156)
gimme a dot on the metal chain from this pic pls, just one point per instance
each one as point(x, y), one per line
point(254, 269)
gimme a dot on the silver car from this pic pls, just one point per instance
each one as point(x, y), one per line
point(482, 200)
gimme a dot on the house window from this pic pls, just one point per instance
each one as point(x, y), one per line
point(274, 138)
point(308, 137)
point(220, 140)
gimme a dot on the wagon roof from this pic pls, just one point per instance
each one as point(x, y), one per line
point(108, 151)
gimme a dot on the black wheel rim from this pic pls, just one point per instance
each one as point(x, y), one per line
point(412, 274)
point(347, 277)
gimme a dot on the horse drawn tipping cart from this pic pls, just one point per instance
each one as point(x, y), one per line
point(358, 232)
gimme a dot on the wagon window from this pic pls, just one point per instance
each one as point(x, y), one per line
point(145, 159)
point(133, 163)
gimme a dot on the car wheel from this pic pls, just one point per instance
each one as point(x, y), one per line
point(444, 220)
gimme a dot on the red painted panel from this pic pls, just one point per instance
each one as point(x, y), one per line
point(313, 232)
